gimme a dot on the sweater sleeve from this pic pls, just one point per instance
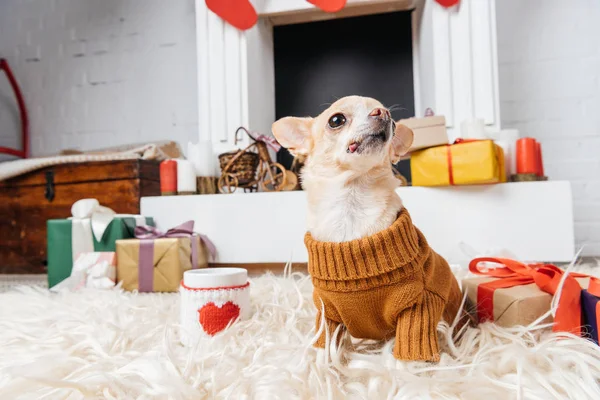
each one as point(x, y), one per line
point(330, 325)
point(416, 330)
point(327, 332)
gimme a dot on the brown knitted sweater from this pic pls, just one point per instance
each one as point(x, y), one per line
point(385, 285)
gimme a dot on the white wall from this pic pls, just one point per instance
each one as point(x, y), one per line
point(549, 73)
point(99, 73)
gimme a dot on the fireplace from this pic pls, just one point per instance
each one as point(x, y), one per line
point(319, 62)
point(454, 72)
point(414, 54)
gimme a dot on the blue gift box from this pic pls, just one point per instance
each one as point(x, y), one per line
point(591, 312)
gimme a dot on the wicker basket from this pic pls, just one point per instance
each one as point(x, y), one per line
point(244, 168)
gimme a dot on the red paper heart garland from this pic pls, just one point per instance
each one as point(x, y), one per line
point(214, 319)
point(330, 6)
point(242, 15)
point(239, 13)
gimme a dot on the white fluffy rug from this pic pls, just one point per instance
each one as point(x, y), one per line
point(119, 345)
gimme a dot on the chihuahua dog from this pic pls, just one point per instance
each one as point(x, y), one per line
point(373, 271)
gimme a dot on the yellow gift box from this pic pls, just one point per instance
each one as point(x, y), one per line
point(466, 162)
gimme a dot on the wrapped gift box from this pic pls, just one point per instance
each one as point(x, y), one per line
point(156, 262)
point(66, 238)
point(517, 305)
point(465, 162)
point(428, 132)
point(591, 314)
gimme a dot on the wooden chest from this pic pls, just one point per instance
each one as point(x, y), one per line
point(28, 201)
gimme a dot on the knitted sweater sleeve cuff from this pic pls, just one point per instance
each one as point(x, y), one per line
point(416, 330)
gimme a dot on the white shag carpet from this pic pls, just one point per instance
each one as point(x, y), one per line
point(119, 345)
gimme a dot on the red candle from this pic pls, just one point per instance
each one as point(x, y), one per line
point(527, 156)
point(540, 161)
point(168, 177)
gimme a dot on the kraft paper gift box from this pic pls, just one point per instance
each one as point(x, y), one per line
point(156, 262)
point(427, 131)
point(521, 304)
point(92, 228)
point(466, 162)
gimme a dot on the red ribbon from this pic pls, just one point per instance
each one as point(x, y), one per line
point(449, 156)
point(268, 140)
point(546, 276)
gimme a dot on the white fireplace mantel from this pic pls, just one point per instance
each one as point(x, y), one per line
point(455, 73)
point(454, 63)
point(531, 220)
point(282, 12)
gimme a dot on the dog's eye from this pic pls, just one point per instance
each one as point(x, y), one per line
point(336, 121)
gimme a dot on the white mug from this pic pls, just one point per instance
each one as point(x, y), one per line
point(211, 300)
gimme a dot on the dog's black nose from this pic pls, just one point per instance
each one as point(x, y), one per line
point(381, 113)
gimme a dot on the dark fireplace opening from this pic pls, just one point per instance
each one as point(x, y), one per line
point(319, 62)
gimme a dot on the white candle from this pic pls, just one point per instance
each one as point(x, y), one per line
point(507, 139)
point(203, 158)
point(186, 177)
point(473, 129)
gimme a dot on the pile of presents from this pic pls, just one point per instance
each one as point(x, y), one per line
point(478, 157)
point(511, 293)
point(98, 248)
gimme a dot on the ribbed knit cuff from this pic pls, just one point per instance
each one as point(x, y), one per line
point(350, 265)
point(416, 331)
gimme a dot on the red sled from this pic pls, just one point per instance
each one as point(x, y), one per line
point(22, 110)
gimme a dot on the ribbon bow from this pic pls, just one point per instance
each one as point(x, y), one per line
point(547, 277)
point(268, 140)
point(147, 234)
point(184, 230)
point(99, 216)
point(90, 220)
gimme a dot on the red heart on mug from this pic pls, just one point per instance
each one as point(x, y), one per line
point(214, 319)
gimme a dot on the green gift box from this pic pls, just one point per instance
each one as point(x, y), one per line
point(60, 240)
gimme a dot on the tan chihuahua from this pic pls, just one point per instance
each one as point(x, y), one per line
point(347, 175)
point(373, 271)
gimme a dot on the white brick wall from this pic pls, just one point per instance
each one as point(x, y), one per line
point(107, 72)
point(99, 73)
point(549, 75)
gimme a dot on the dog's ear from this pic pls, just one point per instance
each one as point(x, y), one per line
point(294, 134)
point(401, 142)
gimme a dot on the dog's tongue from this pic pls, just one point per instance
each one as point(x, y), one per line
point(353, 147)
